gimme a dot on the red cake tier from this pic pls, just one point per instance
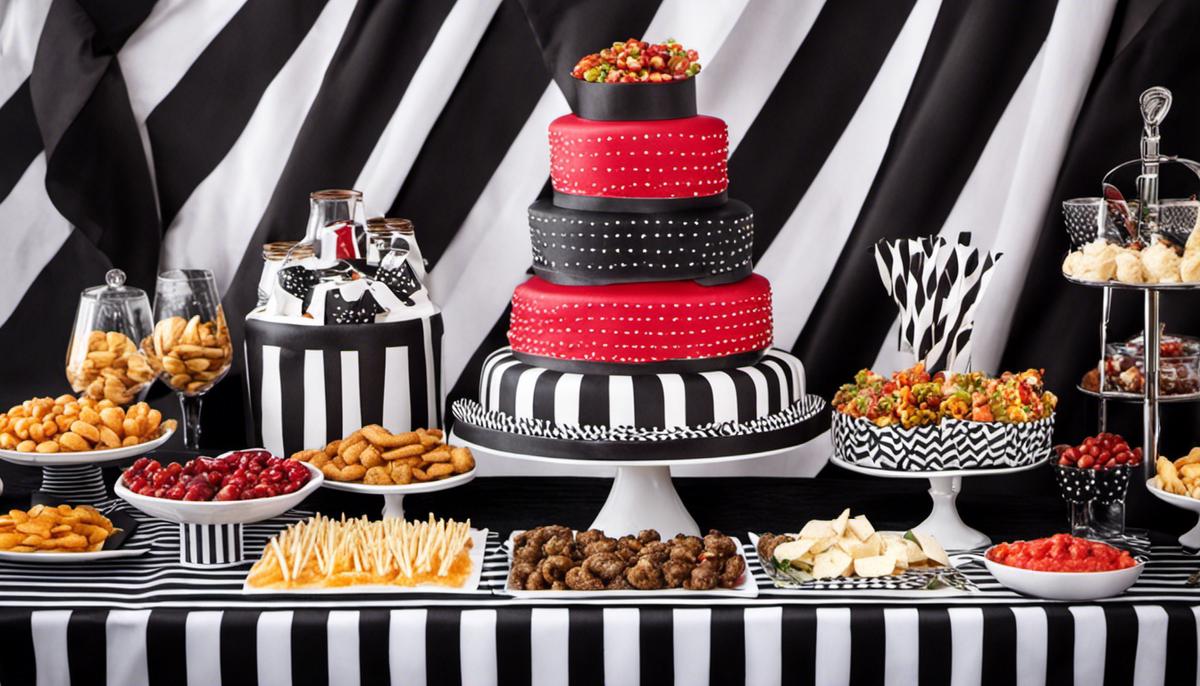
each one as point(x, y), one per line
point(641, 322)
point(661, 159)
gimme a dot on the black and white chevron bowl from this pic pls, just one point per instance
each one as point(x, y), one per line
point(74, 484)
point(210, 545)
point(309, 385)
point(951, 444)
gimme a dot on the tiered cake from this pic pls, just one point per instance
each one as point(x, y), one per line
point(644, 334)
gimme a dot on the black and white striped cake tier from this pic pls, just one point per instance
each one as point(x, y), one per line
point(642, 401)
point(710, 245)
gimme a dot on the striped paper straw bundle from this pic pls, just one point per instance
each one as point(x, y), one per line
point(936, 288)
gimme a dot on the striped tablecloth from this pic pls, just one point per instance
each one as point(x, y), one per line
point(149, 621)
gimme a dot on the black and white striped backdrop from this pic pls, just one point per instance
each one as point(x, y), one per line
point(185, 133)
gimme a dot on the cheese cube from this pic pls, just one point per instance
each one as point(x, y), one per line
point(839, 524)
point(878, 565)
point(861, 527)
point(831, 564)
point(816, 528)
point(793, 550)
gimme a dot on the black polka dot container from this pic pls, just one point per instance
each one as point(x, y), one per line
point(710, 246)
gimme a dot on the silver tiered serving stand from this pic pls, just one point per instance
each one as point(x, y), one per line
point(1155, 103)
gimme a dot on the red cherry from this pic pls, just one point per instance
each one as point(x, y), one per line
point(1070, 454)
point(1086, 462)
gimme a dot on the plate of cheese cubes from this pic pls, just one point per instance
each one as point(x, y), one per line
point(847, 552)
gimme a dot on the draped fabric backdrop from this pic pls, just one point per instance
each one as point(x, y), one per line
point(186, 133)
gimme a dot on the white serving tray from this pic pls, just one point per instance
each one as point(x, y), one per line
point(86, 457)
point(478, 544)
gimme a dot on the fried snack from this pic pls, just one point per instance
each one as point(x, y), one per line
point(111, 368)
point(62, 529)
point(189, 354)
point(379, 457)
point(328, 553)
point(70, 425)
point(1181, 477)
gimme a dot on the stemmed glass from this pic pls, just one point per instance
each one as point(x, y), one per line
point(190, 347)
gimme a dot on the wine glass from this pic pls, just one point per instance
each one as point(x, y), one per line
point(189, 347)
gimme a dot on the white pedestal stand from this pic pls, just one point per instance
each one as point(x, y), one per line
point(943, 522)
point(642, 496)
point(1191, 539)
point(393, 496)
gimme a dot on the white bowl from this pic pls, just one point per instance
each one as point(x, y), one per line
point(219, 511)
point(85, 457)
point(1064, 585)
point(1191, 539)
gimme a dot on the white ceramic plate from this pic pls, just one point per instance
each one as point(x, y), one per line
point(59, 558)
point(1190, 539)
point(478, 544)
point(89, 457)
point(416, 487)
point(1064, 585)
point(746, 589)
point(219, 511)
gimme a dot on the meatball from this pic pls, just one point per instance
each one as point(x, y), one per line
point(519, 573)
point(536, 582)
point(618, 583)
point(768, 542)
point(676, 572)
point(732, 571)
point(580, 579)
point(645, 575)
point(559, 545)
point(605, 545)
point(555, 567)
point(648, 536)
point(703, 578)
point(657, 552)
point(527, 553)
point(717, 544)
point(692, 544)
point(629, 543)
point(584, 538)
point(604, 565)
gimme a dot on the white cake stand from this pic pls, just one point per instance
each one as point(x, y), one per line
point(393, 495)
point(943, 522)
point(1191, 539)
point(642, 495)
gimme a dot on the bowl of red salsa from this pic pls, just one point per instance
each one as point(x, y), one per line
point(1063, 567)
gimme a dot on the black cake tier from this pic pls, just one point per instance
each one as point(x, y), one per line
point(575, 248)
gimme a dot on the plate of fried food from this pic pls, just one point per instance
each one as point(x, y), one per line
point(46, 533)
point(847, 553)
point(556, 562)
point(1178, 483)
point(330, 556)
point(66, 431)
point(375, 460)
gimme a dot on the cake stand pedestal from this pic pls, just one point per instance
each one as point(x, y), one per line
point(642, 496)
point(393, 496)
point(943, 522)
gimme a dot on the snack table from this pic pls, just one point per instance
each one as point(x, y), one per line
point(149, 621)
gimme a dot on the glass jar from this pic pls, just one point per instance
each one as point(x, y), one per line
point(103, 356)
point(391, 233)
point(274, 254)
point(336, 226)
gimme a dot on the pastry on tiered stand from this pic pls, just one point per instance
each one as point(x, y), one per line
point(645, 338)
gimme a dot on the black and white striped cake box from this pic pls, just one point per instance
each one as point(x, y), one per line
point(310, 384)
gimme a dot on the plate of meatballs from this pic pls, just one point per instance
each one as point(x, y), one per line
point(554, 561)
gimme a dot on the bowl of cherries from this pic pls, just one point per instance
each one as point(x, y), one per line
point(1097, 468)
point(237, 487)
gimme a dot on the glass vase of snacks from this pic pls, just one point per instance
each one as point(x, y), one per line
point(190, 347)
point(103, 359)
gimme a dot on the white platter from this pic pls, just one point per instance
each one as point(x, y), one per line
point(1064, 585)
point(394, 489)
point(1191, 539)
point(219, 511)
point(89, 457)
point(61, 558)
point(478, 545)
point(746, 589)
